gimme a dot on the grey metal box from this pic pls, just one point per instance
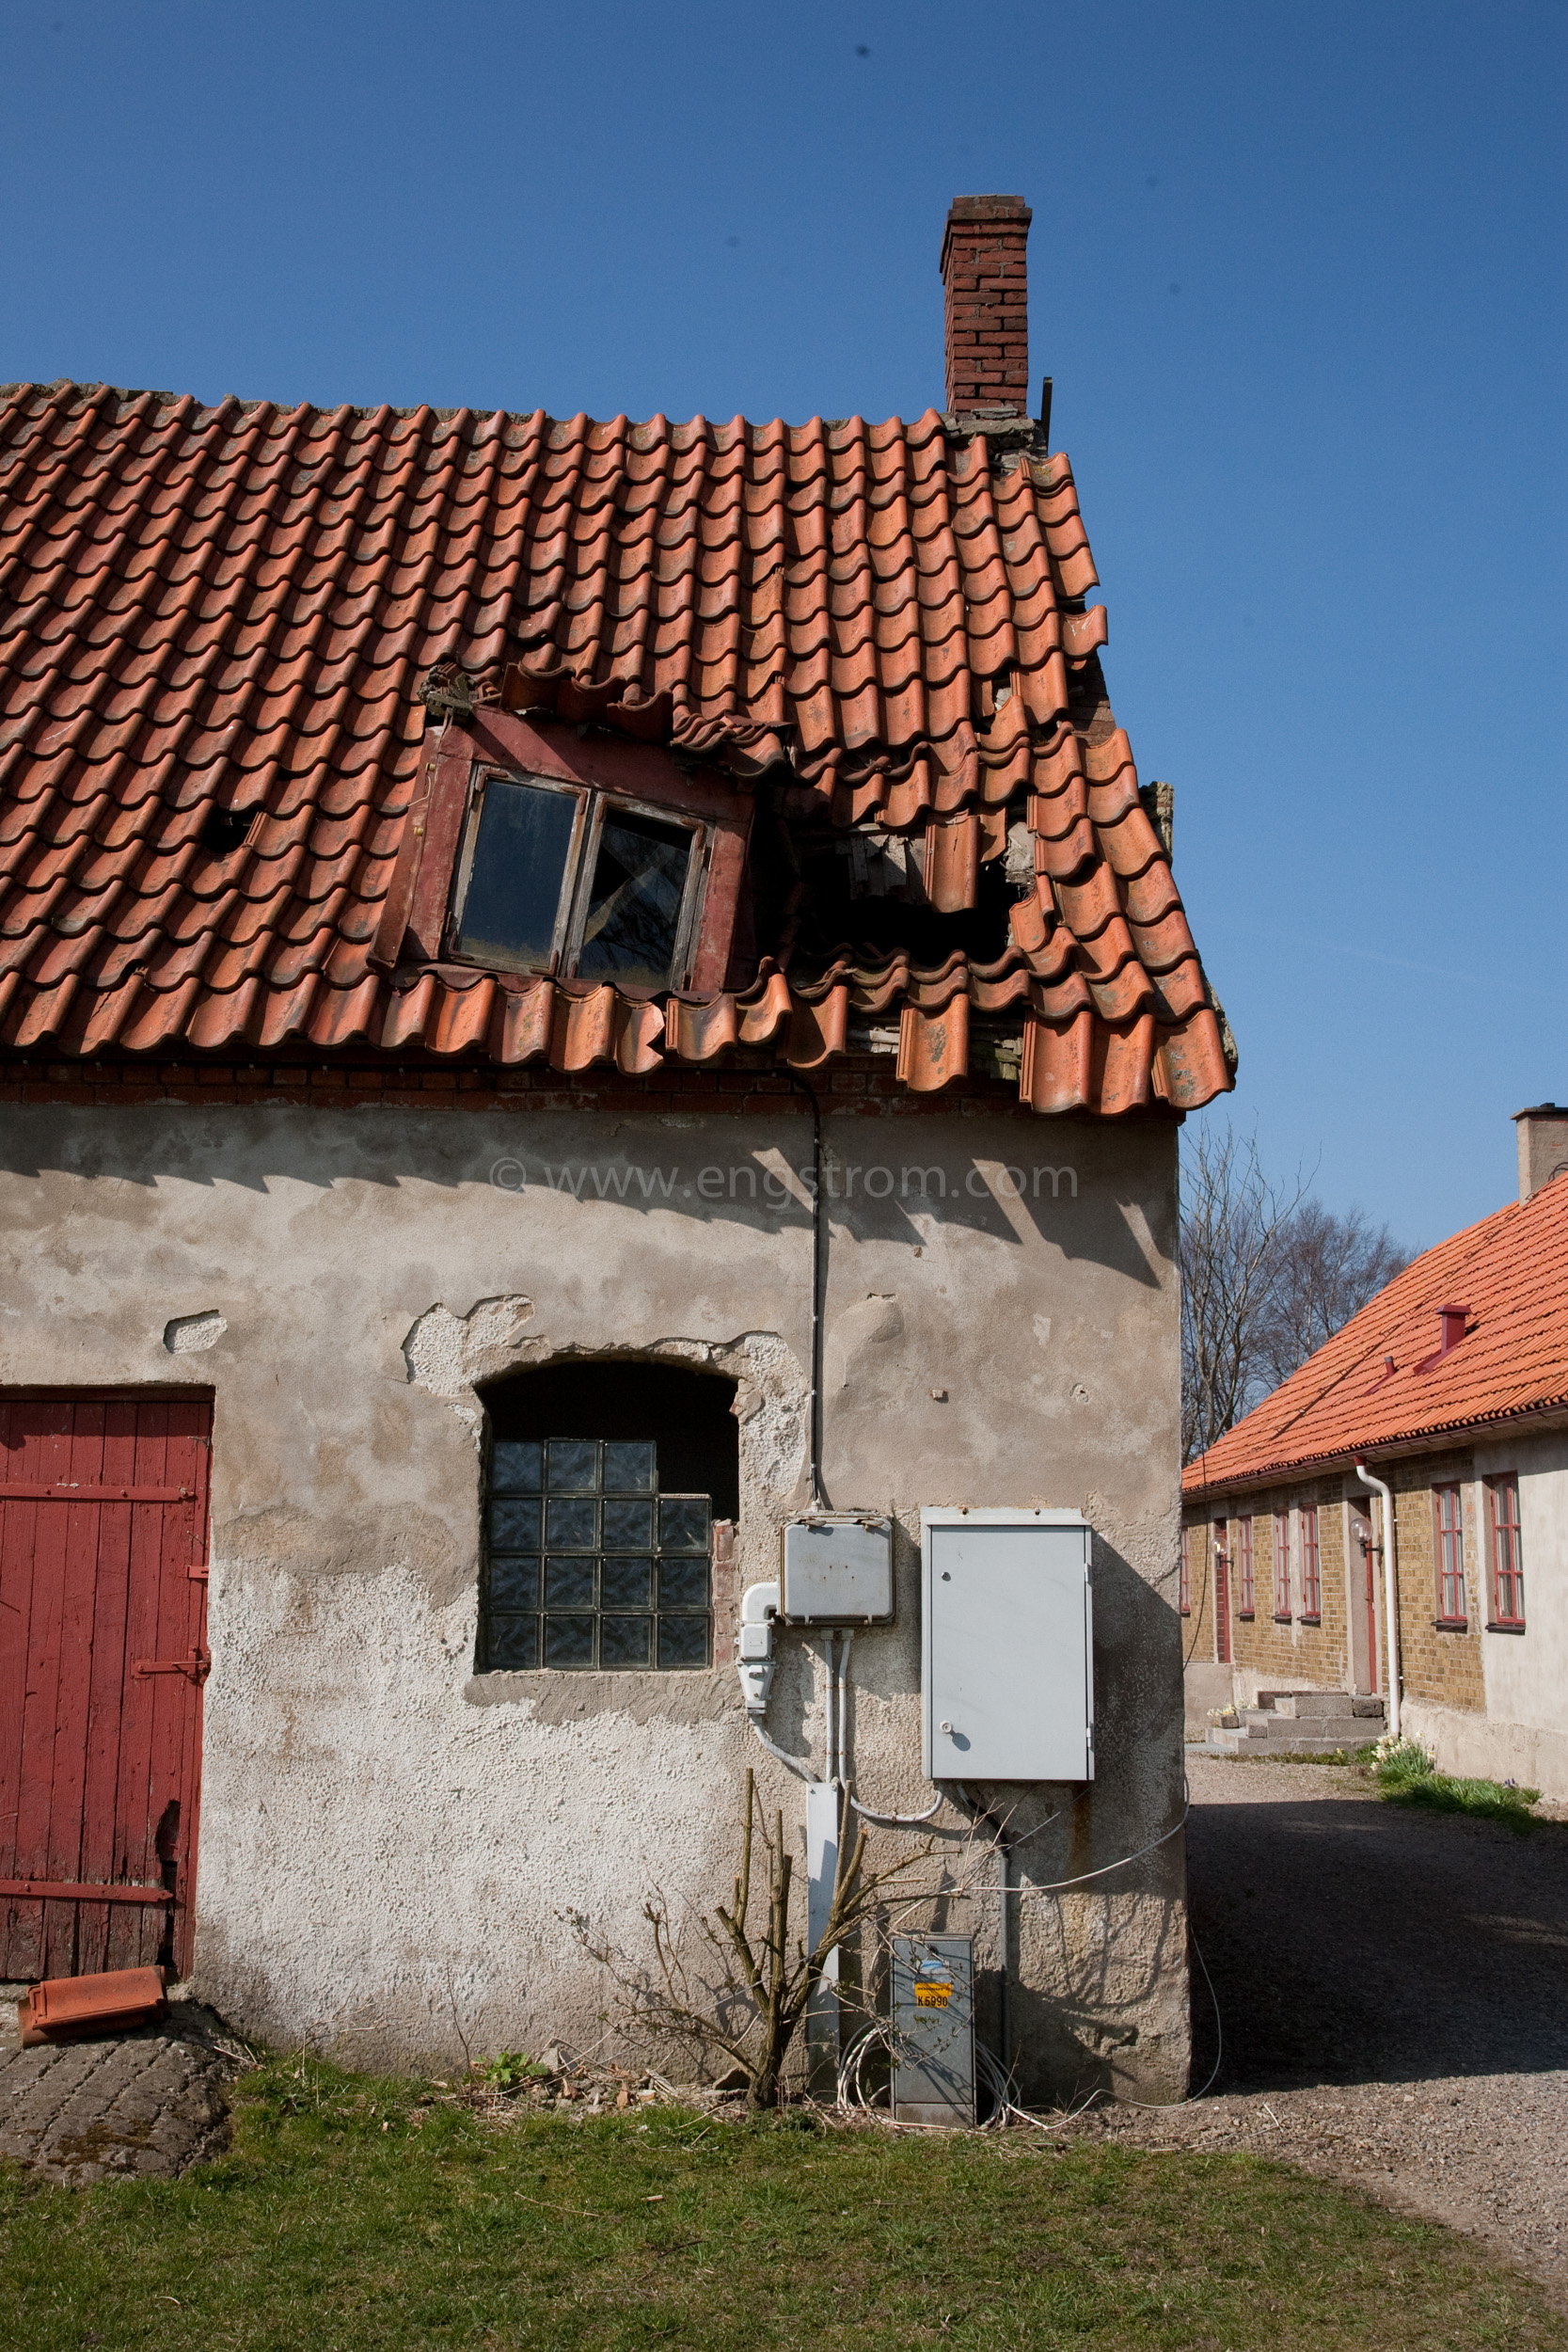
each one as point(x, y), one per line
point(1007, 1670)
point(933, 2029)
point(837, 1569)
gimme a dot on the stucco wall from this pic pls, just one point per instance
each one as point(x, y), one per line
point(394, 1848)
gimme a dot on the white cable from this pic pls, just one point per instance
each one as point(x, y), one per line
point(1060, 1885)
point(794, 1762)
point(897, 1821)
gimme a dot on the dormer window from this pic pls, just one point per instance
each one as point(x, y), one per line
point(576, 883)
point(539, 853)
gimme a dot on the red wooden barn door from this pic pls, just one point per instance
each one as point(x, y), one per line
point(103, 1655)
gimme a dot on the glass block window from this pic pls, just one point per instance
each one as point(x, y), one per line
point(589, 1562)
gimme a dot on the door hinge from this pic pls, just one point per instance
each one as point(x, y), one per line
point(196, 1666)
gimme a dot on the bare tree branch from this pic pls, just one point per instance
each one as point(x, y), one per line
point(1267, 1276)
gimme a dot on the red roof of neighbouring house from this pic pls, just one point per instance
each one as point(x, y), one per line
point(232, 608)
point(1509, 1273)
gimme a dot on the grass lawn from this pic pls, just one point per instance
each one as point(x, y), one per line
point(348, 2216)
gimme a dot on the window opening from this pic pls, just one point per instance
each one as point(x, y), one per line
point(1282, 1566)
point(1184, 1582)
point(634, 907)
point(1311, 1564)
point(516, 864)
point(1508, 1559)
point(1451, 1556)
point(605, 1482)
point(554, 879)
point(1244, 1588)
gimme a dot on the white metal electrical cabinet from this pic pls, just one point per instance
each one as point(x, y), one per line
point(1007, 1670)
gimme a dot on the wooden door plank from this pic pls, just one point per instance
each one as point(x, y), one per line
point(78, 1583)
point(106, 1687)
point(176, 1700)
point(51, 1451)
point(18, 1928)
point(132, 1857)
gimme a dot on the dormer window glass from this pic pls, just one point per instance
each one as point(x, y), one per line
point(579, 884)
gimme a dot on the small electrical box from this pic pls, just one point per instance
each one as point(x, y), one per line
point(933, 2029)
point(1007, 1666)
point(837, 1569)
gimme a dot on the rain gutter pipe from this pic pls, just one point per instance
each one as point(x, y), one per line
point(1390, 1594)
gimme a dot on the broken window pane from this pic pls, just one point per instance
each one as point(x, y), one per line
point(635, 905)
point(516, 874)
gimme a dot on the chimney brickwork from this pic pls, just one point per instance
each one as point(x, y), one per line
point(1542, 1145)
point(986, 285)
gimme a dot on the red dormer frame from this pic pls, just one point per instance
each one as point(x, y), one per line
point(415, 926)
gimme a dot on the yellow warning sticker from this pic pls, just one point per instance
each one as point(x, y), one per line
point(932, 1995)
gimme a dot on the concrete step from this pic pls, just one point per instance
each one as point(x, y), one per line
point(1297, 1723)
point(1318, 1706)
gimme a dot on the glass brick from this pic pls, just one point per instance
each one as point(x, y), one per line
point(627, 1584)
point(625, 1641)
point(568, 1641)
point(517, 1466)
point(628, 1467)
point(513, 1644)
point(513, 1582)
point(683, 1583)
point(514, 1525)
point(682, 1641)
point(571, 1523)
point(628, 1526)
point(569, 1584)
point(574, 1466)
point(683, 1523)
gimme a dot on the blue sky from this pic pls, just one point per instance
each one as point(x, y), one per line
point(1299, 277)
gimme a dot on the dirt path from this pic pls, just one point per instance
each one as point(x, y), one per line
point(1393, 1988)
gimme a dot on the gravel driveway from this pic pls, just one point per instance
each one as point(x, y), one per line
point(1393, 1988)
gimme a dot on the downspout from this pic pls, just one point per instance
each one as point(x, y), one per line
point(1390, 1594)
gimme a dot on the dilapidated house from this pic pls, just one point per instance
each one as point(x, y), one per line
point(571, 994)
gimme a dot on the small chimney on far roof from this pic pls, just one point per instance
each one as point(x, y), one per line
point(1542, 1145)
point(985, 277)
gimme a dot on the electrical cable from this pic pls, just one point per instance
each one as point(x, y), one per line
point(801, 1769)
point(819, 1275)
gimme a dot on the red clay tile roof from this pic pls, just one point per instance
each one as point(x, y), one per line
point(1510, 1273)
point(231, 608)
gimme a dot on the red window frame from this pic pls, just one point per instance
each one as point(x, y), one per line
point(1448, 1525)
point(1246, 1597)
point(1507, 1552)
point(1311, 1566)
point(1184, 1582)
point(417, 916)
point(1282, 1568)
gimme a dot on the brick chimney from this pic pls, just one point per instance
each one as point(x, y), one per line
point(1542, 1145)
point(985, 278)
